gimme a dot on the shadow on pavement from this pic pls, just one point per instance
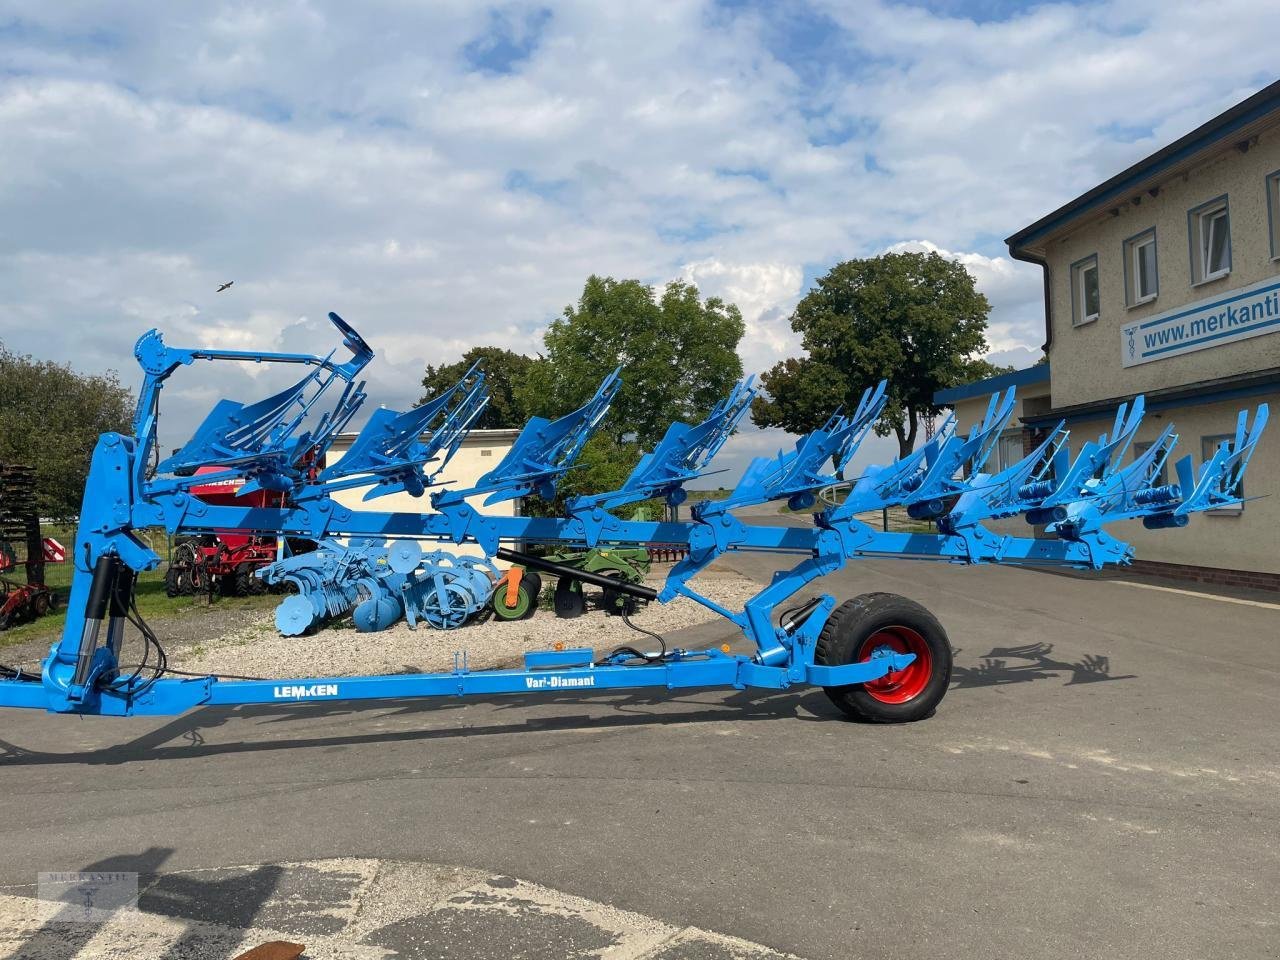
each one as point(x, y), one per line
point(183, 738)
point(1032, 661)
point(229, 898)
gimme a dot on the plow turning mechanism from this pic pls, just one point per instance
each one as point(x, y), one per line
point(878, 656)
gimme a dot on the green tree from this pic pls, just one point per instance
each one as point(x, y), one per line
point(50, 419)
point(915, 319)
point(678, 353)
point(504, 371)
point(604, 464)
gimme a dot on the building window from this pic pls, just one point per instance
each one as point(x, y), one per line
point(1210, 227)
point(1162, 477)
point(1273, 212)
point(1142, 281)
point(1208, 447)
point(486, 453)
point(1086, 303)
point(1009, 450)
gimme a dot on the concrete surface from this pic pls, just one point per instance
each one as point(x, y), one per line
point(348, 909)
point(1101, 781)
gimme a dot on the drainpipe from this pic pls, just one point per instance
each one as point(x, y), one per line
point(1043, 264)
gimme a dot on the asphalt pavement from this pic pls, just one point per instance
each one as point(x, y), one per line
point(1102, 780)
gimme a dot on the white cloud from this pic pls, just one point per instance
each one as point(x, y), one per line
point(765, 293)
point(348, 157)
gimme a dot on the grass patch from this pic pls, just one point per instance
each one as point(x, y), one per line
point(153, 603)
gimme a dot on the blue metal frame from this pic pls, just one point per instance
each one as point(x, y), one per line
point(275, 443)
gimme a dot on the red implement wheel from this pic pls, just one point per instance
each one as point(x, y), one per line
point(885, 622)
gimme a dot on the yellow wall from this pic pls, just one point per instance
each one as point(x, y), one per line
point(479, 453)
point(1087, 359)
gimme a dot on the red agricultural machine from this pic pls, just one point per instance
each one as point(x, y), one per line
point(20, 602)
point(225, 561)
point(20, 524)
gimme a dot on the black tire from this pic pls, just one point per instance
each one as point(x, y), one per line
point(247, 585)
point(187, 574)
point(526, 604)
point(174, 581)
point(873, 620)
point(569, 600)
point(40, 604)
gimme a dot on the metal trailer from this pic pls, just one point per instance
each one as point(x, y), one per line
point(878, 657)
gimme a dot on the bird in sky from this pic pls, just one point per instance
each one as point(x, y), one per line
point(224, 286)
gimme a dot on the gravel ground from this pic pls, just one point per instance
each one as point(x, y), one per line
point(192, 625)
point(257, 650)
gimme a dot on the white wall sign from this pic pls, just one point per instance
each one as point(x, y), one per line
point(1248, 312)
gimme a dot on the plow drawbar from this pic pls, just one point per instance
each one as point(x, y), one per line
point(878, 656)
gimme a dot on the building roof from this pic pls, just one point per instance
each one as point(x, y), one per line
point(491, 435)
point(1234, 123)
point(1236, 387)
point(980, 388)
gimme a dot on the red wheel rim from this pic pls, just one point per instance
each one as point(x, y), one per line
point(898, 686)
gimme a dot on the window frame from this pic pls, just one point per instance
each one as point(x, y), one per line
point(1271, 185)
point(1141, 447)
point(1208, 447)
point(1077, 272)
point(1196, 218)
point(1132, 274)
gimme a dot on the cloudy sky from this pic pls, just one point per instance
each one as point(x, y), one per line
point(445, 174)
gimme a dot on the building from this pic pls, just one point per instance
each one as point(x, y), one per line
point(1165, 281)
point(477, 455)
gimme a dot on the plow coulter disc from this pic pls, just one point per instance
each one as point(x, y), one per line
point(569, 600)
point(294, 615)
point(447, 603)
point(376, 613)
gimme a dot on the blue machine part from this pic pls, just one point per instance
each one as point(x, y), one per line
point(544, 450)
point(680, 456)
point(395, 447)
point(382, 569)
point(447, 590)
point(379, 582)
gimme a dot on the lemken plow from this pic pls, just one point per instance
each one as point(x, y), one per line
point(878, 656)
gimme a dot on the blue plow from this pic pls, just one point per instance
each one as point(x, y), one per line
point(878, 657)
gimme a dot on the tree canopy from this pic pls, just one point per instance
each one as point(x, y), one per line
point(50, 419)
point(504, 372)
point(915, 319)
point(678, 353)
